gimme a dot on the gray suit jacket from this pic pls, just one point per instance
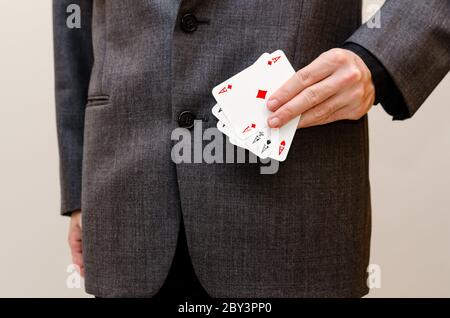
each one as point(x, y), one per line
point(120, 87)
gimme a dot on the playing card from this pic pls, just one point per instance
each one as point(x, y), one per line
point(254, 143)
point(242, 110)
point(245, 103)
point(283, 136)
point(235, 97)
point(282, 139)
point(224, 126)
point(259, 143)
point(226, 130)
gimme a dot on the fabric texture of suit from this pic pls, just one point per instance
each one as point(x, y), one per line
point(120, 86)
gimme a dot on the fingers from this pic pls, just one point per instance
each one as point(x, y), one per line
point(352, 112)
point(75, 242)
point(332, 73)
point(324, 110)
point(319, 69)
point(77, 259)
point(345, 76)
point(343, 111)
point(307, 99)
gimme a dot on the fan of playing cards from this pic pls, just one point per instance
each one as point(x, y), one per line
point(242, 112)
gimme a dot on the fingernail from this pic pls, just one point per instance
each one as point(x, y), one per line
point(272, 103)
point(274, 122)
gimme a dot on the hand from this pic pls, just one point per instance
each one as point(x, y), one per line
point(337, 85)
point(75, 240)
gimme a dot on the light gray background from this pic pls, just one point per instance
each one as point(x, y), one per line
point(410, 173)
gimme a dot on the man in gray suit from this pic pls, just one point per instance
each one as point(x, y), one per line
point(144, 68)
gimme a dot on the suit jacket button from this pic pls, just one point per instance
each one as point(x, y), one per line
point(189, 23)
point(186, 119)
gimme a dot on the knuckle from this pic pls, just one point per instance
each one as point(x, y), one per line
point(311, 96)
point(356, 73)
point(353, 75)
point(339, 56)
point(331, 108)
point(320, 112)
point(303, 76)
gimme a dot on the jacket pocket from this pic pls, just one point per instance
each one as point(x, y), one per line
point(97, 101)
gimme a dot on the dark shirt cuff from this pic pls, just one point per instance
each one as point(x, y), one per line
point(69, 213)
point(386, 92)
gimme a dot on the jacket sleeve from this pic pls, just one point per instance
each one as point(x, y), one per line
point(73, 60)
point(413, 44)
